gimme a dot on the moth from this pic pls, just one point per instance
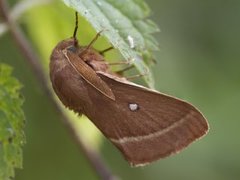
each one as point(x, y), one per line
point(145, 125)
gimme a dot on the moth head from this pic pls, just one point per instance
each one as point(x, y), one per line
point(66, 44)
point(57, 53)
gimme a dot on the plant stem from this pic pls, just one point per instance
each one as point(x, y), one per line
point(26, 49)
point(19, 9)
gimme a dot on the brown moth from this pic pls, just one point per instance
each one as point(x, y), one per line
point(145, 125)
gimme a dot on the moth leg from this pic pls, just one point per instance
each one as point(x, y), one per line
point(94, 40)
point(128, 62)
point(146, 72)
point(106, 50)
point(120, 72)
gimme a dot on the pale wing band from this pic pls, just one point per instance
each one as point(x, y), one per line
point(155, 134)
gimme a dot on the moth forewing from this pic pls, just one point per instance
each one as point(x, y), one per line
point(88, 73)
point(154, 127)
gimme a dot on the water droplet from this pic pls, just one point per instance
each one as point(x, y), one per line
point(130, 41)
point(133, 106)
point(99, 3)
point(86, 11)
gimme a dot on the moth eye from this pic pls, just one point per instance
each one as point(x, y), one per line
point(72, 48)
point(133, 106)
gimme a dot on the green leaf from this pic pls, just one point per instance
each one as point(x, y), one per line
point(126, 25)
point(11, 123)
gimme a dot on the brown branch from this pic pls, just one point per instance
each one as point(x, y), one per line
point(93, 157)
point(19, 9)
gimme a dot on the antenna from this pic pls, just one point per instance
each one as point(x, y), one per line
point(75, 29)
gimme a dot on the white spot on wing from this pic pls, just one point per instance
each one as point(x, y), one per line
point(133, 106)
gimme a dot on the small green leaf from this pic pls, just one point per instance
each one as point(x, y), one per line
point(11, 123)
point(126, 25)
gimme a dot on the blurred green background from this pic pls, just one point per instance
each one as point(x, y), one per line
point(199, 61)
